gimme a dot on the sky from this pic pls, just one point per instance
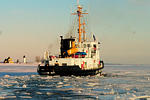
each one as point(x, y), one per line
point(29, 27)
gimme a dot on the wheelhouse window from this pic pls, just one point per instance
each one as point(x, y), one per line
point(94, 45)
point(88, 45)
point(84, 45)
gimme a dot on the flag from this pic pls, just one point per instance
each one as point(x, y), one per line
point(94, 37)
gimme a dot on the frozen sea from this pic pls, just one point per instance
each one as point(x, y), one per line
point(120, 82)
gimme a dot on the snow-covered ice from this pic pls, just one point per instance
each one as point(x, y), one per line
point(119, 83)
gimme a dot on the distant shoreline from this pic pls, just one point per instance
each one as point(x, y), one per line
point(18, 64)
point(36, 64)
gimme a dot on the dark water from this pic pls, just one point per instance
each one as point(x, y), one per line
point(120, 82)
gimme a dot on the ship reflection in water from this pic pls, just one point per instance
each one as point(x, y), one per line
point(124, 82)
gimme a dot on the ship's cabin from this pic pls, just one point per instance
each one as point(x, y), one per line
point(72, 49)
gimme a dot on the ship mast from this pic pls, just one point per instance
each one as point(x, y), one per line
point(84, 37)
point(80, 15)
